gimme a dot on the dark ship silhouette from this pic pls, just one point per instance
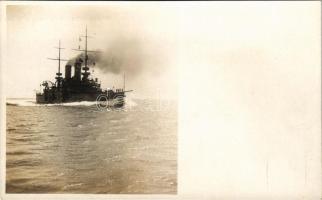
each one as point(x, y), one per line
point(79, 87)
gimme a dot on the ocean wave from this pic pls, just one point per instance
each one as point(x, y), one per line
point(32, 102)
point(21, 102)
point(81, 103)
point(130, 103)
point(28, 102)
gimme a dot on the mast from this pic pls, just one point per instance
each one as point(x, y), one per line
point(58, 74)
point(86, 72)
point(86, 47)
point(86, 68)
point(124, 81)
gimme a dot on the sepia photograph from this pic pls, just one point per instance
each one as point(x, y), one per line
point(160, 100)
point(91, 101)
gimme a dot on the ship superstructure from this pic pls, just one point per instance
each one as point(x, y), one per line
point(79, 87)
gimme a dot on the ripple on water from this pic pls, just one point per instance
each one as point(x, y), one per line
point(66, 149)
point(23, 162)
point(13, 153)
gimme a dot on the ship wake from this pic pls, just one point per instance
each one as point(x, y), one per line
point(32, 102)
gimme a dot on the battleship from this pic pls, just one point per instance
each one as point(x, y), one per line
point(80, 86)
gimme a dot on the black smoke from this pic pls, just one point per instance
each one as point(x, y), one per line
point(131, 56)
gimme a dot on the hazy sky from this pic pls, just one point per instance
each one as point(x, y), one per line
point(154, 40)
point(140, 38)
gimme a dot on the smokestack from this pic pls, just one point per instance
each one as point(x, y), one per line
point(78, 71)
point(68, 71)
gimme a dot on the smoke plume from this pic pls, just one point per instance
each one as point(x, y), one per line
point(125, 55)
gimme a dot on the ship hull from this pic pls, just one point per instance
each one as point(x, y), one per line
point(41, 98)
point(116, 100)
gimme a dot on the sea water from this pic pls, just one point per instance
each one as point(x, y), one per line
point(78, 148)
